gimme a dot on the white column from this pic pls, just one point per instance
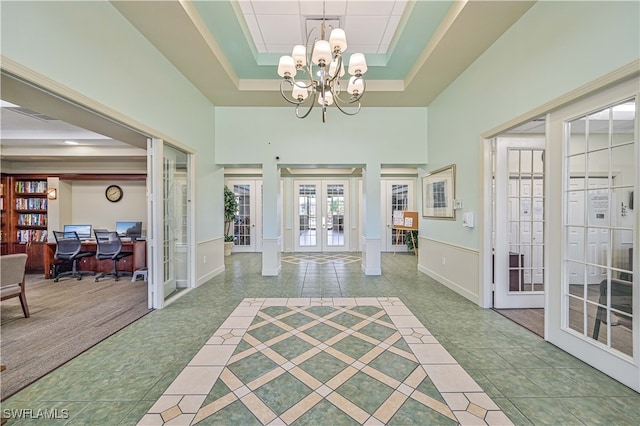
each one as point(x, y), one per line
point(271, 219)
point(371, 261)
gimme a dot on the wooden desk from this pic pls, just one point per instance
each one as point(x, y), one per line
point(130, 263)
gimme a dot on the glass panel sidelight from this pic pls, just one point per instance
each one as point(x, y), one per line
point(602, 166)
point(335, 215)
point(399, 201)
point(308, 216)
point(242, 224)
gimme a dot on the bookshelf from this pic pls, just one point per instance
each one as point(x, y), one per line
point(3, 217)
point(24, 218)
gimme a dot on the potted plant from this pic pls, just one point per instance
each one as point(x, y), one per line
point(230, 208)
point(411, 239)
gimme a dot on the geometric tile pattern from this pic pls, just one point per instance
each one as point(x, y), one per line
point(320, 258)
point(323, 361)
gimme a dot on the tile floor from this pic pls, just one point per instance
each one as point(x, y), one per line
point(124, 378)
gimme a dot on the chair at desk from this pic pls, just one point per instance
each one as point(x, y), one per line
point(69, 249)
point(110, 247)
point(621, 299)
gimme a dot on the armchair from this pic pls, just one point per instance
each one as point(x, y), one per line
point(12, 268)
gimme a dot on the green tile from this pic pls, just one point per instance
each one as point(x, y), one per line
point(516, 417)
point(512, 383)
point(252, 367)
point(266, 332)
point(321, 311)
point(414, 413)
point(346, 319)
point(545, 411)
point(402, 344)
point(521, 358)
point(296, 320)
point(233, 414)
point(428, 388)
point(367, 310)
point(282, 393)
point(102, 413)
point(353, 346)
point(377, 331)
point(274, 311)
point(218, 390)
point(376, 392)
point(291, 347)
point(598, 411)
point(323, 366)
point(322, 332)
point(393, 365)
point(479, 358)
point(324, 414)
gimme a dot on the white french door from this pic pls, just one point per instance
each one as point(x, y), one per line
point(396, 194)
point(321, 215)
point(592, 312)
point(247, 227)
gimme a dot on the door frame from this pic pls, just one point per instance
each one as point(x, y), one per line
point(255, 213)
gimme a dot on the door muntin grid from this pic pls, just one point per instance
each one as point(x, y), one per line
point(242, 223)
point(525, 203)
point(335, 209)
point(399, 201)
point(601, 166)
point(307, 199)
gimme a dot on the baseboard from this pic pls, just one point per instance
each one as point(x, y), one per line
point(203, 279)
point(450, 284)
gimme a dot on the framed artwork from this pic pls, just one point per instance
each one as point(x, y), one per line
point(438, 193)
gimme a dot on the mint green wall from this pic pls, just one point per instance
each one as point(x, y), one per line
point(375, 135)
point(554, 48)
point(91, 48)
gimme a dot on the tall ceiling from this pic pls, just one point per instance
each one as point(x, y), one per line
point(229, 50)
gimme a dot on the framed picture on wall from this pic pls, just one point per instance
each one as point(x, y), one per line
point(438, 193)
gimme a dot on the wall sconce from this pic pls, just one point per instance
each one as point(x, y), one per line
point(52, 193)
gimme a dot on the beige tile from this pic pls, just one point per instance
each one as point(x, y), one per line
point(181, 420)
point(274, 356)
point(242, 355)
point(367, 301)
point(293, 413)
point(465, 418)
point(341, 377)
point(482, 399)
point(194, 380)
point(324, 391)
point(241, 392)
point(359, 365)
point(151, 420)
point(397, 310)
point(477, 410)
point(275, 301)
point(432, 403)
point(265, 378)
point(213, 355)
point(299, 301)
point(451, 378)
point(456, 400)
point(416, 377)
point(407, 390)
point(191, 403)
point(288, 365)
point(497, 418)
point(214, 407)
point(245, 311)
point(230, 379)
point(305, 356)
point(305, 378)
point(277, 422)
point(258, 408)
point(355, 412)
point(372, 421)
point(404, 321)
point(171, 413)
point(237, 322)
point(165, 402)
point(341, 356)
point(344, 301)
point(390, 406)
point(401, 352)
point(371, 355)
point(432, 354)
point(387, 380)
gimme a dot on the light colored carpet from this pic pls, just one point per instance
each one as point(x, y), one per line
point(67, 318)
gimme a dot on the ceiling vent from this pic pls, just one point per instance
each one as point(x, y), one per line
point(32, 114)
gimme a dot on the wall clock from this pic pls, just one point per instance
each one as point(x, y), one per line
point(113, 193)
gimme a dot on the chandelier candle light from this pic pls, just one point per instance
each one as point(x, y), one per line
point(327, 58)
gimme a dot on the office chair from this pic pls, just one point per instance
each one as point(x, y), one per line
point(12, 268)
point(69, 248)
point(110, 247)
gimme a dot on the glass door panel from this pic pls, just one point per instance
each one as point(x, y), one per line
point(247, 226)
point(395, 195)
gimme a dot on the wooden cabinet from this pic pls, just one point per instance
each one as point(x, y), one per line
point(24, 218)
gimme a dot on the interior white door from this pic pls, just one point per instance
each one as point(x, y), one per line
point(169, 220)
point(519, 224)
point(247, 227)
point(396, 194)
point(321, 215)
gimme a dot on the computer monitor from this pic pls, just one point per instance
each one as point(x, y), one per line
point(83, 231)
point(129, 229)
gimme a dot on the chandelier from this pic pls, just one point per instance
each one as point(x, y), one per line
point(322, 69)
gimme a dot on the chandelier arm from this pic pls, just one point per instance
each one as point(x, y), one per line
point(291, 82)
point(311, 105)
point(337, 104)
point(336, 76)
